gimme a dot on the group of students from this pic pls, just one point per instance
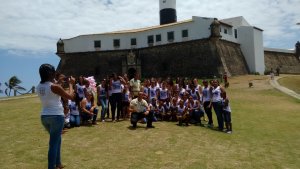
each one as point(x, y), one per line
point(67, 102)
point(180, 100)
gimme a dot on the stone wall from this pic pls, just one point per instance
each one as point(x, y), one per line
point(287, 62)
point(199, 58)
point(232, 58)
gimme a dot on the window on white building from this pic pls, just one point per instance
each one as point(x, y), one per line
point(150, 39)
point(133, 41)
point(171, 36)
point(158, 38)
point(235, 33)
point(185, 33)
point(225, 31)
point(97, 44)
point(116, 43)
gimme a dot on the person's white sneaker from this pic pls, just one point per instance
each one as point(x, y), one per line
point(229, 132)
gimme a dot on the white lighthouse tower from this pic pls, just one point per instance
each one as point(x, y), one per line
point(167, 11)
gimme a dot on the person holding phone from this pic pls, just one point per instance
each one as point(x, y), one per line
point(52, 114)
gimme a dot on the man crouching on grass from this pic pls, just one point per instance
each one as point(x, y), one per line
point(139, 109)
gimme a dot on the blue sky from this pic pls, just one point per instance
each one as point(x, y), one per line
point(30, 28)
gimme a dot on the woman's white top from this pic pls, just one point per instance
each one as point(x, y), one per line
point(102, 91)
point(80, 90)
point(216, 94)
point(163, 93)
point(206, 94)
point(73, 108)
point(51, 102)
point(153, 107)
point(180, 110)
point(152, 93)
point(161, 109)
point(116, 86)
point(194, 95)
point(126, 96)
point(194, 106)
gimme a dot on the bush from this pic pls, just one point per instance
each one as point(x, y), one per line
point(254, 73)
point(267, 72)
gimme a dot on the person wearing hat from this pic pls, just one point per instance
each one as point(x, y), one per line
point(52, 114)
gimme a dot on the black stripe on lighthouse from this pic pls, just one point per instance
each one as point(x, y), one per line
point(168, 15)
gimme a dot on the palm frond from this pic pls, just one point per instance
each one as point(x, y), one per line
point(14, 81)
point(18, 88)
point(6, 91)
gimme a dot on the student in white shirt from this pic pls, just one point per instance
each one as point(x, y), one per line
point(217, 103)
point(206, 100)
point(116, 97)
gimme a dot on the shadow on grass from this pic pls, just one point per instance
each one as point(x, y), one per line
point(88, 125)
point(139, 127)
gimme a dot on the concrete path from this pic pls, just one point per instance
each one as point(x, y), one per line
point(285, 90)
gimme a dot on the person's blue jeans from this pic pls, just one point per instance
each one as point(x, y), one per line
point(86, 117)
point(75, 120)
point(116, 103)
point(104, 107)
point(54, 125)
point(195, 116)
point(208, 112)
point(135, 117)
point(218, 110)
point(227, 116)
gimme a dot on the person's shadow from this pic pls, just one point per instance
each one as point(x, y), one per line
point(135, 128)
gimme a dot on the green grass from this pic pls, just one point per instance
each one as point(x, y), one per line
point(265, 123)
point(291, 82)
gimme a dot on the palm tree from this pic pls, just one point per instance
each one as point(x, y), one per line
point(0, 88)
point(13, 84)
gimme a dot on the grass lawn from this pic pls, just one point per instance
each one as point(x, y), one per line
point(291, 82)
point(265, 135)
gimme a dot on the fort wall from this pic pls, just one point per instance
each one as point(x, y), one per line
point(198, 58)
point(287, 61)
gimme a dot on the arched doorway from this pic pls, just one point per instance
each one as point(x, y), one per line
point(131, 72)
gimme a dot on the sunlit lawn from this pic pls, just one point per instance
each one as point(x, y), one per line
point(291, 82)
point(266, 134)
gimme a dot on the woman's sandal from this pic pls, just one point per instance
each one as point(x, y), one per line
point(60, 166)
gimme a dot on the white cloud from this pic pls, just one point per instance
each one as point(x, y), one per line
point(36, 25)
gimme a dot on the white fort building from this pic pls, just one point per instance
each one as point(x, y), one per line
point(235, 30)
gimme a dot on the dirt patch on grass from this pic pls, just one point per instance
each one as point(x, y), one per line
point(242, 82)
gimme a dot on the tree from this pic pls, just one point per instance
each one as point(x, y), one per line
point(0, 88)
point(13, 84)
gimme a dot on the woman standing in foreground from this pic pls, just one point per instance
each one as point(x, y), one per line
point(52, 114)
